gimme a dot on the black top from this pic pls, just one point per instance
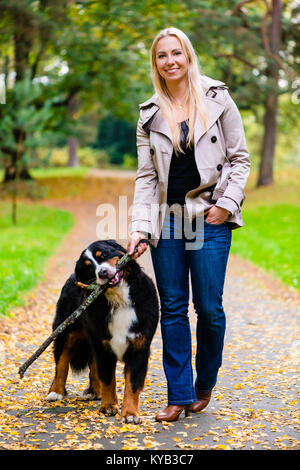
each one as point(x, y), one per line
point(183, 173)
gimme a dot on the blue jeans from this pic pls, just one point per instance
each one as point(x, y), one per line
point(173, 263)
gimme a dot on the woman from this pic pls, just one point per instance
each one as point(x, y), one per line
point(192, 154)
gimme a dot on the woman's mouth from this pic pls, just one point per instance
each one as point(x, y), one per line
point(172, 70)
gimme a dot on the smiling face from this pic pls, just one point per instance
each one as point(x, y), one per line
point(171, 62)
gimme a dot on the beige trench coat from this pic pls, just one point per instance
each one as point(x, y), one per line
point(221, 156)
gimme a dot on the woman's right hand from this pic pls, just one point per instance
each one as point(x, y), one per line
point(134, 239)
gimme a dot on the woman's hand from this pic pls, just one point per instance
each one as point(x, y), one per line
point(134, 239)
point(217, 215)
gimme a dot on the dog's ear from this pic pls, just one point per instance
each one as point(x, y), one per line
point(82, 273)
point(78, 269)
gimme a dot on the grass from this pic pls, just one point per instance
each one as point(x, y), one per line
point(54, 172)
point(269, 240)
point(25, 248)
point(271, 216)
point(59, 172)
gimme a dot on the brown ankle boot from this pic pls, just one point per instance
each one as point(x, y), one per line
point(172, 412)
point(201, 403)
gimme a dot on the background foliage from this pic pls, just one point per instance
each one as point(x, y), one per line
point(84, 67)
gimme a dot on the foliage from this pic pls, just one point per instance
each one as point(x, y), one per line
point(97, 53)
point(87, 156)
point(117, 137)
point(129, 162)
point(25, 116)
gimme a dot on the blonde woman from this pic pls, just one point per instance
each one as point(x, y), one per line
point(193, 165)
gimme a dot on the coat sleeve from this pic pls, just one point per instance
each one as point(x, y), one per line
point(146, 196)
point(238, 155)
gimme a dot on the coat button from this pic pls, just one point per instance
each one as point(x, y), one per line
point(213, 139)
point(152, 151)
point(219, 167)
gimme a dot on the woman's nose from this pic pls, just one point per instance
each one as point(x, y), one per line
point(170, 59)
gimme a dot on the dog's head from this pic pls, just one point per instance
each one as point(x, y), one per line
point(98, 263)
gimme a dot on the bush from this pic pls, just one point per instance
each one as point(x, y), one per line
point(87, 157)
point(129, 162)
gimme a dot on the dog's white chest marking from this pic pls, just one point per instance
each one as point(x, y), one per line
point(122, 317)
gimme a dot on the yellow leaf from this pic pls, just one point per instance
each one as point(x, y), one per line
point(237, 386)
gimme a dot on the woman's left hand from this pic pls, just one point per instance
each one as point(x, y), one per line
point(217, 215)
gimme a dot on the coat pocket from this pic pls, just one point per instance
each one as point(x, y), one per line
point(222, 182)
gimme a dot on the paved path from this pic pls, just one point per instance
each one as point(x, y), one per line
point(254, 404)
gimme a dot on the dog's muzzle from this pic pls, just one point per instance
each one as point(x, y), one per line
point(109, 274)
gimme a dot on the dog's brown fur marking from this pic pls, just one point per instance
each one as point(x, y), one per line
point(109, 399)
point(130, 405)
point(62, 367)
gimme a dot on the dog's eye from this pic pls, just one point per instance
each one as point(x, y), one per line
point(87, 262)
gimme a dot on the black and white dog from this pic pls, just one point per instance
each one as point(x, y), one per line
point(118, 325)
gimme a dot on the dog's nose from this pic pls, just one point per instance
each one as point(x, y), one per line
point(103, 273)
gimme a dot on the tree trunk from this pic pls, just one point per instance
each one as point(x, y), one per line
point(73, 158)
point(265, 177)
point(269, 141)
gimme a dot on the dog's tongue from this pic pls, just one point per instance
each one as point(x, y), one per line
point(116, 279)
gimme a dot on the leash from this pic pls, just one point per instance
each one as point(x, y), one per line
point(96, 290)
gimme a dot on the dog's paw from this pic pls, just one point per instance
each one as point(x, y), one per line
point(131, 419)
point(109, 410)
point(53, 396)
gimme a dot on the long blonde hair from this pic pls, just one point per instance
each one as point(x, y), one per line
point(194, 98)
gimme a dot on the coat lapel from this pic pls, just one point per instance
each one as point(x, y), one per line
point(159, 124)
point(215, 109)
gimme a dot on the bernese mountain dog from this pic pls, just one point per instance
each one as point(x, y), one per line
point(118, 325)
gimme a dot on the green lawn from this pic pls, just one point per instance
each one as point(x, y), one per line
point(59, 172)
point(25, 247)
point(270, 239)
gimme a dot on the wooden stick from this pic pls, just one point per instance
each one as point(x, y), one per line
point(96, 291)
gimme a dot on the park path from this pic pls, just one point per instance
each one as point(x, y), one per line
point(254, 404)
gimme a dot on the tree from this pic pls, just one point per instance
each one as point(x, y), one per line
point(272, 46)
point(22, 130)
point(83, 52)
point(29, 26)
point(250, 46)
